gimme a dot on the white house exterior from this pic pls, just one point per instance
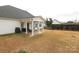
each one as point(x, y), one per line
point(8, 26)
point(11, 17)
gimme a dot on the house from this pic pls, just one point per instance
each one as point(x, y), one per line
point(55, 21)
point(12, 17)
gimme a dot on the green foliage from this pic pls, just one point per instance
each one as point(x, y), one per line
point(49, 23)
point(22, 51)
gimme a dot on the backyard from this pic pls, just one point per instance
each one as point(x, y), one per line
point(49, 41)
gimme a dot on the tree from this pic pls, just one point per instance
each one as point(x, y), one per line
point(49, 22)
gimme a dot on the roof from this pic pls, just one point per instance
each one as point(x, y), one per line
point(40, 17)
point(56, 21)
point(8, 11)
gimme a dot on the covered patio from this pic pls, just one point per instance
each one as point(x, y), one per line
point(33, 26)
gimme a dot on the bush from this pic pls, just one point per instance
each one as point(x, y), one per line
point(48, 23)
point(17, 30)
point(22, 51)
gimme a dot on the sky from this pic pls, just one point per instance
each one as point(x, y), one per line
point(62, 10)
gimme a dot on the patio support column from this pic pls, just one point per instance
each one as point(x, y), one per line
point(26, 28)
point(32, 28)
point(43, 26)
point(38, 27)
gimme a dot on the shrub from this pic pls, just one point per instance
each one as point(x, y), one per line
point(22, 51)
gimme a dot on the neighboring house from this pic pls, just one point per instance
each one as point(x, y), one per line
point(56, 22)
point(70, 22)
point(73, 22)
point(76, 21)
point(12, 17)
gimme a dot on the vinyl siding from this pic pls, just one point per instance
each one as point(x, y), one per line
point(8, 26)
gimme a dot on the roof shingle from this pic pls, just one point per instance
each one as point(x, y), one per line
point(13, 12)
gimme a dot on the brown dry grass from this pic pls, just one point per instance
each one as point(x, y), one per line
point(49, 41)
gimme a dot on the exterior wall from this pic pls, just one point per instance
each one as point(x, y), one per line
point(38, 19)
point(8, 26)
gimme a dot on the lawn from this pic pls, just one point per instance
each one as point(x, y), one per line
point(49, 41)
